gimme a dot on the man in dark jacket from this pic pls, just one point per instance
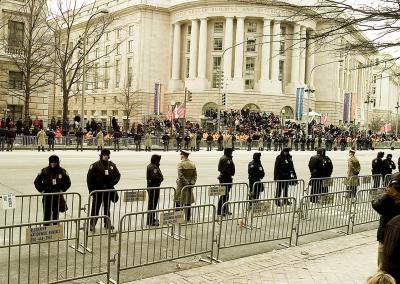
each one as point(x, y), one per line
point(53, 179)
point(50, 139)
point(226, 168)
point(165, 141)
point(388, 206)
point(256, 173)
point(117, 137)
point(11, 133)
point(79, 139)
point(391, 251)
point(377, 169)
point(209, 140)
point(102, 175)
point(154, 179)
point(320, 167)
point(388, 166)
point(283, 170)
point(178, 141)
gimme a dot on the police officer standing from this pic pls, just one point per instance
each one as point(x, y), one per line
point(256, 173)
point(53, 179)
point(187, 175)
point(226, 168)
point(283, 172)
point(102, 175)
point(178, 142)
point(353, 169)
point(154, 179)
point(388, 165)
point(165, 141)
point(320, 166)
point(377, 169)
point(209, 140)
point(117, 136)
point(50, 139)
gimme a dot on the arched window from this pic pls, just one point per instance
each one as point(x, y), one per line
point(252, 107)
point(209, 106)
point(287, 112)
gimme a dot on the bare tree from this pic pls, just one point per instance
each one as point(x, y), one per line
point(129, 103)
point(28, 46)
point(72, 60)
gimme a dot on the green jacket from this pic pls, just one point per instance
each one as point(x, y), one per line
point(187, 175)
point(353, 169)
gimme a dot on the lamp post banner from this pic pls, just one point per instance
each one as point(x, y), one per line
point(156, 98)
point(301, 91)
point(297, 104)
point(353, 106)
point(346, 107)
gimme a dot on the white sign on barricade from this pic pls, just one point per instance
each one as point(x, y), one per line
point(44, 234)
point(327, 199)
point(216, 190)
point(261, 208)
point(9, 201)
point(134, 196)
point(171, 218)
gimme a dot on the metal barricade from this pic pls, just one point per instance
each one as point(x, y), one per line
point(325, 185)
point(215, 194)
point(324, 212)
point(41, 254)
point(36, 208)
point(294, 188)
point(256, 221)
point(140, 245)
point(387, 179)
point(363, 213)
point(370, 181)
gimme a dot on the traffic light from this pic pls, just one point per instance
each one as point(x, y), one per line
point(80, 43)
point(224, 99)
point(189, 96)
point(220, 79)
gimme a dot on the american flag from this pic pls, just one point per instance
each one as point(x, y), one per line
point(386, 128)
point(179, 111)
point(324, 119)
point(170, 115)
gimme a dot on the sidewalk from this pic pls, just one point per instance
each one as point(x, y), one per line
point(346, 259)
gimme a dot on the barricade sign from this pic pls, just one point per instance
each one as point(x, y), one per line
point(44, 255)
point(363, 212)
point(216, 190)
point(35, 208)
point(319, 216)
point(256, 221)
point(44, 234)
point(278, 189)
point(171, 218)
point(140, 245)
point(9, 201)
point(133, 196)
point(326, 185)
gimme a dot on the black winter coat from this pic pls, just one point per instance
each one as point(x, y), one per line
point(377, 166)
point(284, 168)
point(97, 179)
point(226, 167)
point(44, 181)
point(320, 166)
point(154, 176)
point(387, 208)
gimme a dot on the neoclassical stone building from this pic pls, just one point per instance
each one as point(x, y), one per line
point(263, 54)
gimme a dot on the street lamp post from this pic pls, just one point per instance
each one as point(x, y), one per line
point(309, 89)
point(397, 118)
point(84, 38)
point(283, 120)
point(368, 101)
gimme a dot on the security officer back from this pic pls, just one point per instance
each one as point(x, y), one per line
point(226, 167)
point(154, 179)
point(256, 173)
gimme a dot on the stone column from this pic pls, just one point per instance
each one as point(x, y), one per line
point(302, 55)
point(201, 67)
point(176, 55)
point(228, 43)
point(310, 59)
point(294, 76)
point(237, 82)
point(276, 37)
point(266, 50)
point(193, 49)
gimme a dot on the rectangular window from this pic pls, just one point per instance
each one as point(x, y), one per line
point(218, 27)
point(115, 112)
point(93, 112)
point(251, 45)
point(217, 44)
point(130, 46)
point(215, 72)
point(187, 67)
point(108, 36)
point(251, 27)
point(250, 64)
point(15, 33)
point(216, 62)
point(282, 47)
point(96, 75)
point(97, 52)
point(106, 75)
point(189, 30)
point(117, 73)
point(118, 49)
point(188, 45)
point(108, 50)
point(104, 113)
point(249, 84)
point(131, 30)
point(130, 71)
point(374, 79)
point(281, 70)
point(104, 100)
point(15, 80)
point(374, 90)
point(118, 33)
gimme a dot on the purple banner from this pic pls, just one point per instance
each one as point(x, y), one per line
point(156, 98)
point(346, 107)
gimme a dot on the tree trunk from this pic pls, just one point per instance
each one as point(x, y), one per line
point(26, 106)
point(65, 108)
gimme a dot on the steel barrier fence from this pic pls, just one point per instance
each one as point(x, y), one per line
point(34, 208)
point(140, 245)
point(331, 211)
point(278, 189)
point(256, 221)
point(215, 194)
point(41, 253)
point(362, 212)
point(387, 179)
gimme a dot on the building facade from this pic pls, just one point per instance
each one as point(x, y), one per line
point(252, 55)
point(13, 30)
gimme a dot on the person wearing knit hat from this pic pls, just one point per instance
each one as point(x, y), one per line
point(53, 179)
point(387, 205)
